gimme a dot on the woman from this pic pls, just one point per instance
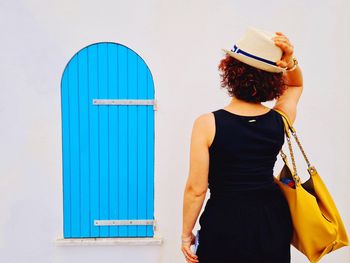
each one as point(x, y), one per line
point(247, 218)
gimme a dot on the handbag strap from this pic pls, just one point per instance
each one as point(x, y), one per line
point(288, 127)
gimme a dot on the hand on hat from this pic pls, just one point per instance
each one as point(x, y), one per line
point(283, 42)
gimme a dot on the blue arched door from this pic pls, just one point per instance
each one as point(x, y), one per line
point(107, 96)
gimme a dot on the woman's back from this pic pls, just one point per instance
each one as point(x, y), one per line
point(246, 213)
point(244, 150)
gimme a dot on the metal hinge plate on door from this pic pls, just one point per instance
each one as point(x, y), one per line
point(123, 222)
point(133, 222)
point(124, 102)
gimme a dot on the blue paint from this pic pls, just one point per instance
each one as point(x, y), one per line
point(107, 150)
point(84, 142)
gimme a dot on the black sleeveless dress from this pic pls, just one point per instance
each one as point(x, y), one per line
point(247, 218)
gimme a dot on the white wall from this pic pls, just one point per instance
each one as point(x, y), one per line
point(180, 41)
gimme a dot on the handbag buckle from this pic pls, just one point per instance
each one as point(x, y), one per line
point(297, 179)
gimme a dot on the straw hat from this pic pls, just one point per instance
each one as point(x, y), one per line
point(256, 48)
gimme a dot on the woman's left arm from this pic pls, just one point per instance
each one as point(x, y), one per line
point(197, 182)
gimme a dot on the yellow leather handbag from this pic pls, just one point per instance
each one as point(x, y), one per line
point(318, 227)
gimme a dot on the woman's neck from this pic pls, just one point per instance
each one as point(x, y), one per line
point(242, 105)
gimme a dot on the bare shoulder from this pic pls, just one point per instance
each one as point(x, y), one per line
point(204, 126)
point(288, 101)
point(291, 112)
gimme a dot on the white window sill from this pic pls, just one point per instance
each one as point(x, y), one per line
point(143, 241)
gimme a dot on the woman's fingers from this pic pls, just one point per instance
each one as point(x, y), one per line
point(186, 250)
point(280, 37)
point(281, 64)
point(288, 50)
point(190, 257)
point(283, 40)
point(282, 43)
point(285, 47)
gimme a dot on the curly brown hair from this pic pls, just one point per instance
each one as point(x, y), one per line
point(249, 83)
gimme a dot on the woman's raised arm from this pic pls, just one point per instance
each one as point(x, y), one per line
point(293, 79)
